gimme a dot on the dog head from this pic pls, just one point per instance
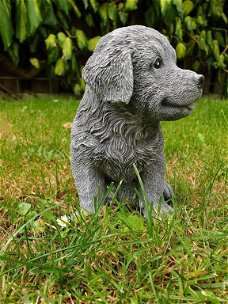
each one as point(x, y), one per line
point(136, 66)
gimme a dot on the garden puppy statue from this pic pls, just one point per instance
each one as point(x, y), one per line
point(132, 83)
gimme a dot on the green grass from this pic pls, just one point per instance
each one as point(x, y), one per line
point(115, 256)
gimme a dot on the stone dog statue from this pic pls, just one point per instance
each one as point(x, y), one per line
point(133, 83)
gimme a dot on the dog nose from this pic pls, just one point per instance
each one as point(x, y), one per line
point(200, 81)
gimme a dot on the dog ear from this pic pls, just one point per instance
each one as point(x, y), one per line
point(110, 74)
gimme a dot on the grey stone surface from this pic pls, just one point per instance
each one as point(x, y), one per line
point(133, 83)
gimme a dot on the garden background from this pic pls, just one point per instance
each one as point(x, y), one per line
point(45, 43)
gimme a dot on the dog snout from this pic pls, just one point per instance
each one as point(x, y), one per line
point(199, 81)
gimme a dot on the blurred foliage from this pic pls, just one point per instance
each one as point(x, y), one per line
point(59, 35)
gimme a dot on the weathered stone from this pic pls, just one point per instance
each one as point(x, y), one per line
point(133, 83)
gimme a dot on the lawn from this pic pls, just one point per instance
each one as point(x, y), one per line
point(115, 256)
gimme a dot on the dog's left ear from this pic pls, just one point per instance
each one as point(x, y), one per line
point(110, 74)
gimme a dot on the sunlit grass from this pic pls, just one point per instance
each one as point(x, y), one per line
point(115, 256)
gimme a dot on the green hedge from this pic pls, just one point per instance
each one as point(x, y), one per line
point(57, 36)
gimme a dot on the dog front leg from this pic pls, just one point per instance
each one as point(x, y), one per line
point(154, 186)
point(90, 184)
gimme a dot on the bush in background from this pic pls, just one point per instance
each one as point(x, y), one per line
point(55, 37)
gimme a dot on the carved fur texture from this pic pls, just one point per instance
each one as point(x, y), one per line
point(132, 83)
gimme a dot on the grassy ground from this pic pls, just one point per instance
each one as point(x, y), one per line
point(115, 257)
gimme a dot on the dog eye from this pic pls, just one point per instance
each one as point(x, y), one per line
point(158, 63)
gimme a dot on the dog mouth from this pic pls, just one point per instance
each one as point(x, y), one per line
point(165, 102)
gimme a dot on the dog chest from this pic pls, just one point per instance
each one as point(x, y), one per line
point(113, 139)
point(117, 156)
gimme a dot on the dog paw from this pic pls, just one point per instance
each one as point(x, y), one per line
point(158, 210)
point(168, 192)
